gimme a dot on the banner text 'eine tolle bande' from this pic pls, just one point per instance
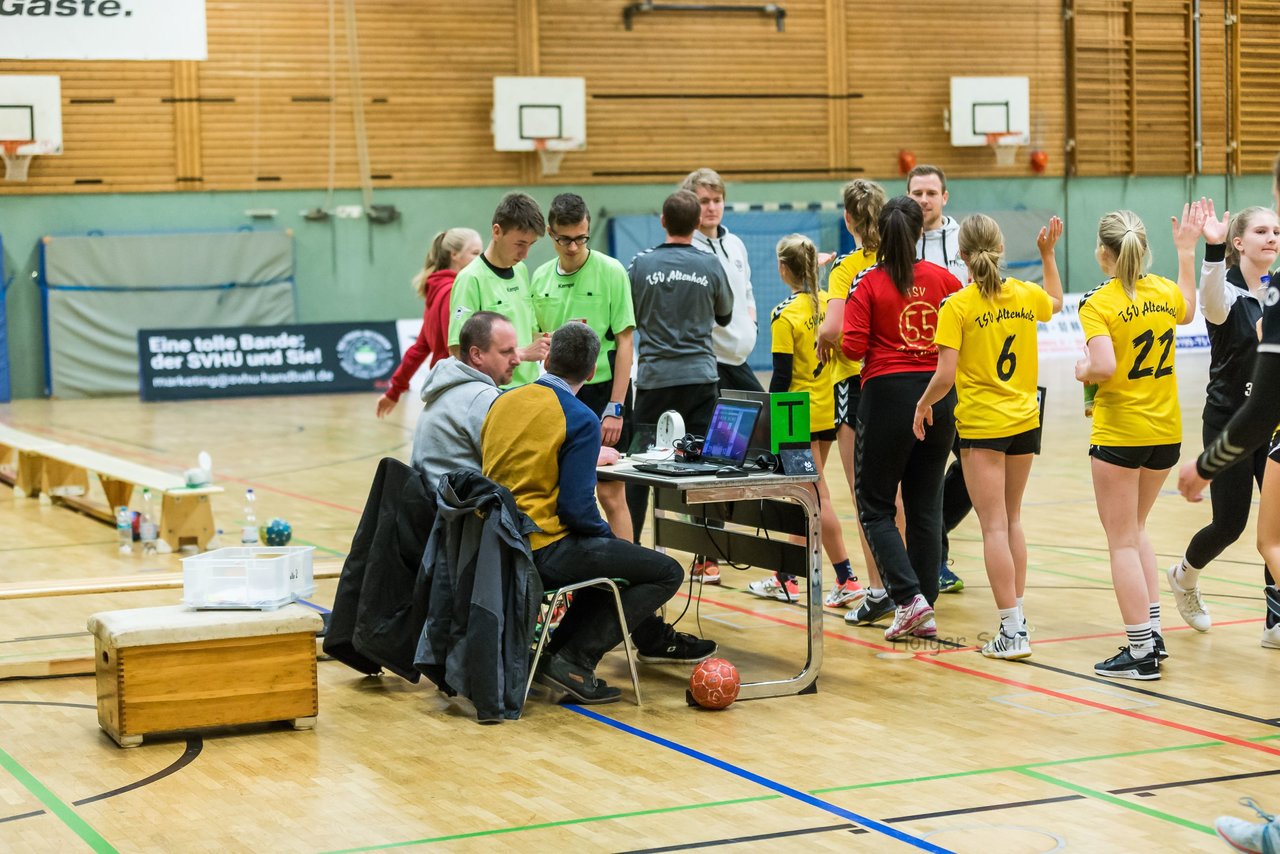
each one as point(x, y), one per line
point(102, 29)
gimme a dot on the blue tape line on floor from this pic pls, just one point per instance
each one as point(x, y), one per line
point(789, 792)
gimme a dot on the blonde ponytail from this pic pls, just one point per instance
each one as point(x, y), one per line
point(798, 254)
point(1123, 235)
point(982, 245)
point(444, 246)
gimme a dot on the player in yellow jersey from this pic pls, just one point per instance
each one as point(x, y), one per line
point(1129, 327)
point(796, 367)
point(987, 348)
point(863, 200)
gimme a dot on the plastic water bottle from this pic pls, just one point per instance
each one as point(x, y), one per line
point(124, 530)
point(1090, 390)
point(249, 530)
point(147, 529)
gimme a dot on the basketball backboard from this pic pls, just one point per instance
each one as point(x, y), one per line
point(31, 109)
point(531, 113)
point(990, 105)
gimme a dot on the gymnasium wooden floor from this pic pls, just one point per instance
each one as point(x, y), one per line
point(934, 743)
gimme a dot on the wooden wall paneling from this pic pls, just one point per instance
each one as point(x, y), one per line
point(426, 72)
point(683, 90)
point(1132, 91)
point(1100, 95)
point(839, 92)
point(902, 62)
point(1214, 85)
point(1233, 86)
point(1163, 108)
point(1258, 115)
point(117, 129)
point(838, 85)
point(186, 126)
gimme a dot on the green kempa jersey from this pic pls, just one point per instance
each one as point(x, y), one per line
point(478, 288)
point(598, 294)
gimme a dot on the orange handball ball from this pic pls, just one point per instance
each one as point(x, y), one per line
point(714, 684)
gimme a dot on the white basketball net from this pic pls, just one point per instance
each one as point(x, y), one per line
point(15, 165)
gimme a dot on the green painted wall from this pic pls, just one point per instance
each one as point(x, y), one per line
point(347, 269)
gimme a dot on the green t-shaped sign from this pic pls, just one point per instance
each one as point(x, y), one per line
point(788, 419)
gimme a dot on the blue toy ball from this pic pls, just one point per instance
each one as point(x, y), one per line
point(277, 533)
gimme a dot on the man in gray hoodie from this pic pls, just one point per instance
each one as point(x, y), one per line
point(457, 395)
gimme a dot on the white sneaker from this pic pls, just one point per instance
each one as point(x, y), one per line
point(1271, 637)
point(908, 617)
point(1008, 648)
point(773, 588)
point(1249, 835)
point(847, 595)
point(1189, 603)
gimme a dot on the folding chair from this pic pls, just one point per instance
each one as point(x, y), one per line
point(558, 595)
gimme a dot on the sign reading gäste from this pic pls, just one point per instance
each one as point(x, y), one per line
point(102, 29)
point(312, 358)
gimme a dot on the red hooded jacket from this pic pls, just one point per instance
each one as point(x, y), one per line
point(433, 338)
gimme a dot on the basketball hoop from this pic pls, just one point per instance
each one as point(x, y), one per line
point(15, 164)
point(1005, 145)
point(548, 157)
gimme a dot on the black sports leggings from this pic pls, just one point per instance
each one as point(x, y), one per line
point(888, 454)
point(1231, 496)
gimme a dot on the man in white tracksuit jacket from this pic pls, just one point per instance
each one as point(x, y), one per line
point(732, 343)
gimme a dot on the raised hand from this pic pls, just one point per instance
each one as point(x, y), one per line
point(1186, 233)
point(1215, 230)
point(1048, 236)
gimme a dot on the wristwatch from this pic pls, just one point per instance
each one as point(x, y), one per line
point(611, 410)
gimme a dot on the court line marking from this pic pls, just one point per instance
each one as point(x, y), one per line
point(750, 776)
point(1107, 798)
point(193, 748)
point(552, 824)
point(1104, 557)
point(762, 798)
point(55, 805)
point(1040, 665)
point(1163, 630)
point(1228, 739)
point(928, 656)
point(749, 840)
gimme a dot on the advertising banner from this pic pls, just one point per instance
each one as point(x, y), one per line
point(306, 358)
point(1063, 336)
point(102, 29)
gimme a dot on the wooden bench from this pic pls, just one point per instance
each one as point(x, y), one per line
point(58, 471)
point(21, 460)
point(172, 668)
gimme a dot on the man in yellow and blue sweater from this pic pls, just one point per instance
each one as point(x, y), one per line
point(542, 443)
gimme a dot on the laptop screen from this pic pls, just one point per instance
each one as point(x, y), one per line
point(729, 435)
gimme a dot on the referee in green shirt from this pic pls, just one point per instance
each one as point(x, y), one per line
point(588, 286)
point(498, 281)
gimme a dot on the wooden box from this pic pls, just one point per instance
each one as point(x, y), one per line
point(172, 668)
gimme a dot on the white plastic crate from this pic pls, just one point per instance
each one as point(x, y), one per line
point(257, 577)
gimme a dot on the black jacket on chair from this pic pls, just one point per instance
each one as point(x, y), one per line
point(484, 596)
point(381, 601)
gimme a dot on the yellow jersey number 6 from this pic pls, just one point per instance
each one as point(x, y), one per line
point(1008, 361)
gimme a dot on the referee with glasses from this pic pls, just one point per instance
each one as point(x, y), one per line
point(590, 287)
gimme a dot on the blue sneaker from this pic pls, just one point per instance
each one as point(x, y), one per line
point(948, 581)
